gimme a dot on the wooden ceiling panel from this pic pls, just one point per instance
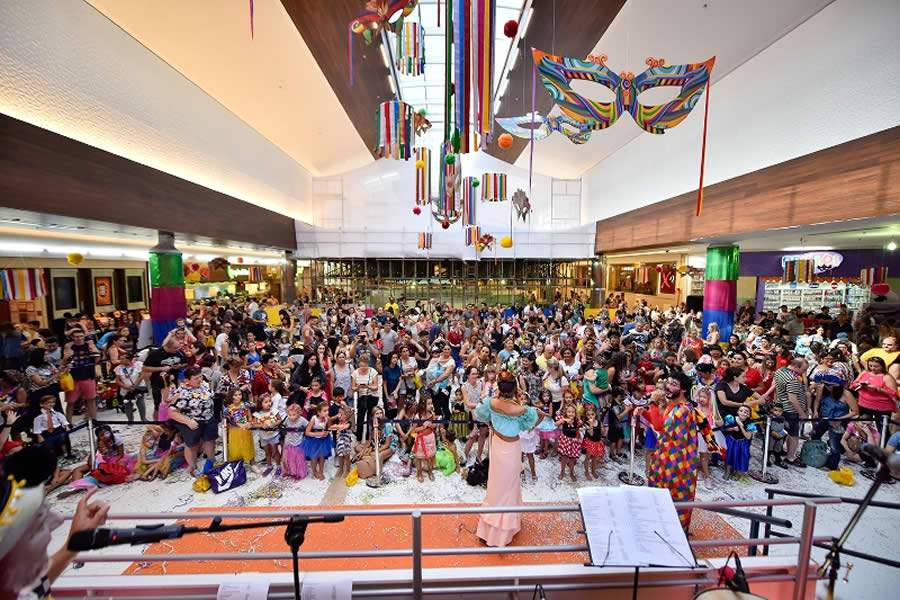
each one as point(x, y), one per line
point(561, 27)
point(323, 26)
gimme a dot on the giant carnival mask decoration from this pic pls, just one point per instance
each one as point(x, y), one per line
point(381, 13)
point(582, 115)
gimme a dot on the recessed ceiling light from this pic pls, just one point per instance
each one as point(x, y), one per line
point(892, 246)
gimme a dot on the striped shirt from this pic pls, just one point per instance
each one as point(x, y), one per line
point(787, 382)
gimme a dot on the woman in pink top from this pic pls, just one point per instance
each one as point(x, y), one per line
point(877, 390)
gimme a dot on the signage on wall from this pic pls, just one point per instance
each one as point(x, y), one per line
point(823, 261)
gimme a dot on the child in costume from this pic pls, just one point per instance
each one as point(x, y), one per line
point(569, 443)
point(293, 461)
point(529, 440)
point(546, 429)
point(240, 438)
point(158, 455)
point(344, 445)
point(424, 447)
point(738, 434)
point(109, 466)
point(317, 443)
point(593, 442)
point(266, 416)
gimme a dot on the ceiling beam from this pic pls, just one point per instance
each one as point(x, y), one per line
point(562, 27)
point(325, 32)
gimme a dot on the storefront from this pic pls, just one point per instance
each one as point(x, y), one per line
point(44, 289)
point(218, 277)
point(814, 279)
point(661, 278)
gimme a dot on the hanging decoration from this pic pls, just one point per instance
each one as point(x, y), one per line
point(445, 209)
point(462, 61)
point(872, 275)
point(720, 288)
point(511, 28)
point(556, 74)
point(493, 187)
point(421, 122)
point(484, 20)
point(521, 204)
point(411, 49)
point(377, 14)
point(516, 126)
point(468, 203)
point(472, 235)
point(485, 242)
point(23, 284)
point(423, 176)
point(506, 241)
point(395, 130)
point(424, 241)
point(251, 20)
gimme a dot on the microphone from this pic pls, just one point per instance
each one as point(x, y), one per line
point(890, 462)
point(94, 539)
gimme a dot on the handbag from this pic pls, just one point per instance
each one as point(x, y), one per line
point(228, 476)
point(814, 453)
point(66, 382)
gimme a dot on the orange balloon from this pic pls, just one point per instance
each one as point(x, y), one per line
point(505, 140)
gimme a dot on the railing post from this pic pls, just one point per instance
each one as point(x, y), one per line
point(765, 458)
point(417, 554)
point(806, 543)
point(754, 533)
point(768, 528)
point(92, 440)
point(884, 430)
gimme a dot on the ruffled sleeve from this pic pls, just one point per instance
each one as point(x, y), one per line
point(528, 419)
point(482, 412)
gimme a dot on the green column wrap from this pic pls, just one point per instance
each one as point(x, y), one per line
point(166, 270)
point(723, 263)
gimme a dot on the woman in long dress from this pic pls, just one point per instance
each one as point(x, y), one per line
point(508, 417)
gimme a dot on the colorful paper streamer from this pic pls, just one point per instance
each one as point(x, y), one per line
point(410, 54)
point(395, 130)
point(423, 176)
point(493, 187)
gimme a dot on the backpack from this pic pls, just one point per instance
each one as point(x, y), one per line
point(228, 476)
point(478, 474)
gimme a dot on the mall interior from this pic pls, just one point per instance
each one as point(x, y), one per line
point(451, 153)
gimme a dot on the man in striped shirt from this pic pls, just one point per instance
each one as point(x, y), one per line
point(790, 394)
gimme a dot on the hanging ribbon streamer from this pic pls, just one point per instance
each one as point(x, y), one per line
point(423, 176)
point(424, 241)
point(703, 152)
point(411, 49)
point(483, 28)
point(493, 187)
point(439, 13)
point(531, 150)
point(448, 67)
point(462, 16)
point(350, 53)
point(395, 130)
point(473, 234)
point(251, 20)
point(469, 191)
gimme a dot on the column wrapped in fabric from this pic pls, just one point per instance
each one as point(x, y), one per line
point(720, 288)
point(722, 263)
point(167, 301)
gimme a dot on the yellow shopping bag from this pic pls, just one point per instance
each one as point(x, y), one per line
point(66, 382)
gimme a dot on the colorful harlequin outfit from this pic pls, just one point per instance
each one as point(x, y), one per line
point(240, 440)
point(674, 464)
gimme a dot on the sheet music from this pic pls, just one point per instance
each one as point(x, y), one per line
point(633, 527)
point(243, 590)
point(326, 586)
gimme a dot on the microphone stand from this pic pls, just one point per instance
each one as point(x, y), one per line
point(294, 535)
point(832, 562)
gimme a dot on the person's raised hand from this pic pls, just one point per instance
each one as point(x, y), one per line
point(89, 515)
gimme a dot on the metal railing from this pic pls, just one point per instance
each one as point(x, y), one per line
point(697, 576)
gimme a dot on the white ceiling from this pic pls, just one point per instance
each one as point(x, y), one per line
point(688, 31)
point(839, 235)
point(272, 81)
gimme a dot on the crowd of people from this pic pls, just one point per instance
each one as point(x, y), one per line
point(297, 386)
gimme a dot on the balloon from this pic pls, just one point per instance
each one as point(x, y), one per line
point(417, 211)
point(450, 159)
point(476, 183)
point(445, 225)
point(505, 140)
point(511, 28)
point(881, 289)
point(659, 268)
point(683, 269)
point(74, 258)
point(420, 164)
point(506, 241)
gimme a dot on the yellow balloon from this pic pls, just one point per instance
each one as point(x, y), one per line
point(420, 164)
point(506, 241)
point(74, 258)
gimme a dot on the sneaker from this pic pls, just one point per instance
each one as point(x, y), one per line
point(267, 470)
point(277, 471)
